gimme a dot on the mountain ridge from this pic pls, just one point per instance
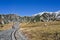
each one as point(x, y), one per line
point(42, 16)
point(40, 13)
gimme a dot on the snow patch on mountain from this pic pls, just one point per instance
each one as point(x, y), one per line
point(57, 12)
point(42, 13)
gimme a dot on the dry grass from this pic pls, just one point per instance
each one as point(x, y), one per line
point(39, 30)
point(24, 25)
point(42, 30)
point(6, 26)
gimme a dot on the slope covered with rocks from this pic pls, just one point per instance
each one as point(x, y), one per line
point(42, 16)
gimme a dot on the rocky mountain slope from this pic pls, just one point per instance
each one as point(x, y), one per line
point(12, 18)
point(42, 16)
point(48, 16)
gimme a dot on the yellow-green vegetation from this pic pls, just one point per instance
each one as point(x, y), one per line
point(42, 30)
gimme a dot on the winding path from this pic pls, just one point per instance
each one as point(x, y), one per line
point(11, 34)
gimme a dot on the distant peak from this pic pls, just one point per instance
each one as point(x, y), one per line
point(57, 11)
point(40, 13)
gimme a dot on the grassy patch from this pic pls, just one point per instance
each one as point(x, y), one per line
point(6, 26)
point(42, 30)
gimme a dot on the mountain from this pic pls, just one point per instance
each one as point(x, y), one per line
point(57, 13)
point(42, 16)
point(12, 18)
point(48, 16)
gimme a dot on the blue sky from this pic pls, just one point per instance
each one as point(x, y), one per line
point(28, 7)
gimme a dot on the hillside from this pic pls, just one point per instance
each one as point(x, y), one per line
point(42, 16)
point(41, 26)
point(42, 30)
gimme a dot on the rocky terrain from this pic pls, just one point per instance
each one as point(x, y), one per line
point(42, 16)
point(12, 34)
